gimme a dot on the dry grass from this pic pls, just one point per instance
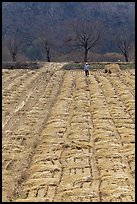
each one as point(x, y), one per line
point(68, 137)
point(112, 68)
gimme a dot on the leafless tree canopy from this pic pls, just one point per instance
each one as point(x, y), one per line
point(13, 46)
point(124, 44)
point(86, 35)
point(45, 38)
point(45, 43)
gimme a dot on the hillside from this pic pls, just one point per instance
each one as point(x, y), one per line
point(27, 18)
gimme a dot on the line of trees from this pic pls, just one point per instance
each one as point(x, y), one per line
point(82, 35)
point(48, 37)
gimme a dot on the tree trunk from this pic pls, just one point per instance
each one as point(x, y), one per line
point(126, 57)
point(48, 56)
point(13, 57)
point(86, 55)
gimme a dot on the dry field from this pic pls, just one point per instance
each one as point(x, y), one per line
point(67, 137)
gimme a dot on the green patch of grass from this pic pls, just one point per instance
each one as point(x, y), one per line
point(127, 66)
point(97, 65)
point(72, 66)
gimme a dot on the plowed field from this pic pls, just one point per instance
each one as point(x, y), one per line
point(68, 137)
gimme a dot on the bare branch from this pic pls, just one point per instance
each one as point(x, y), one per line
point(13, 46)
point(94, 42)
point(86, 34)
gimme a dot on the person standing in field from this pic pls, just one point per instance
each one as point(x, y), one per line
point(86, 68)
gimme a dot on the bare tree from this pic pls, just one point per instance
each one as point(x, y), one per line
point(86, 35)
point(125, 43)
point(13, 47)
point(46, 45)
point(124, 46)
point(44, 37)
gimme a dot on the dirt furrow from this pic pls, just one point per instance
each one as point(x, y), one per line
point(110, 153)
point(22, 140)
point(79, 168)
point(8, 78)
point(72, 140)
point(74, 181)
point(125, 95)
point(26, 102)
point(128, 81)
point(17, 82)
point(46, 167)
point(12, 99)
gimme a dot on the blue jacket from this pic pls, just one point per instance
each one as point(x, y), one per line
point(86, 67)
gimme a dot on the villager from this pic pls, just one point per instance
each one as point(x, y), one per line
point(86, 68)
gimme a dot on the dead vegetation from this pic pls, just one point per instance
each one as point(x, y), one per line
point(112, 68)
point(67, 137)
